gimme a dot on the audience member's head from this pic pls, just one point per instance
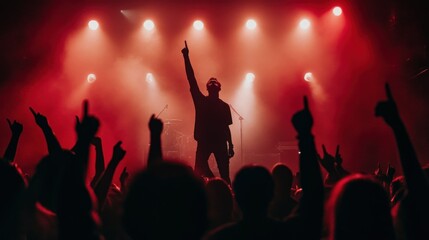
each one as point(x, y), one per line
point(360, 209)
point(48, 177)
point(220, 202)
point(253, 187)
point(283, 178)
point(166, 201)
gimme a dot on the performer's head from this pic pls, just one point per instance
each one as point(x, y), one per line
point(213, 86)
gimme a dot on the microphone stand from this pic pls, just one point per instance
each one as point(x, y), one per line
point(165, 108)
point(241, 132)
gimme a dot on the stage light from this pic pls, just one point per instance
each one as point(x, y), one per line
point(337, 11)
point(150, 78)
point(308, 76)
point(251, 24)
point(93, 25)
point(198, 25)
point(91, 78)
point(304, 24)
point(149, 25)
point(250, 77)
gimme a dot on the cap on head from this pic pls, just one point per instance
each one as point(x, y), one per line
point(213, 83)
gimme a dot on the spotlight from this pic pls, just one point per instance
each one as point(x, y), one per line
point(91, 78)
point(251, 24)
point(337, 11)
point(250, 77)
point(308, 76)
point(304, 24)
point(149, 25)
point(150, 78)
point(198, 25)
point(93, 25)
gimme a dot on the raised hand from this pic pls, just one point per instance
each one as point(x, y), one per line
point(185, 50)
point(89, 125)
point(118, 152)
point(15, 127)
point(302, 120)
point(155, 125)
point(124, 175)
point(338, 158)
point(387, 109)
point(155, 149)
point(123, 178)
point(40, 119)
point(328, 161)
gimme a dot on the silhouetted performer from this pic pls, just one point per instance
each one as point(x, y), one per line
point(212, 120)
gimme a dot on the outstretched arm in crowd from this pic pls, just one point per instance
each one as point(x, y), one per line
point(311, 204)
point(99, 160)
point(155, 151)
point(414, 216)
point(417, 183)
point(333, 165)
point(44, 185)
point(77, 218)
point(339, 164)
point(328, 163)
point(123, 179)
point(16, 129)
point(101, 188)
point(52, 141)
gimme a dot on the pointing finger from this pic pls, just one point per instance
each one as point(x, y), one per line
point(85, 108)
point(388, 92)
point(306, 103)
point(337, 152)
point(33, 112)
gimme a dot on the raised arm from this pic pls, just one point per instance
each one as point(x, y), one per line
point(99, 160)
point(311, 204)
point(155, 151)
point(123, 179)
point(416, 181)
point(51, 141)
point(77, 218)
point(189, 70)
point(16, 129)
point(101, 188)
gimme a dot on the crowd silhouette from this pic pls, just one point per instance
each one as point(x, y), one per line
point(171, 200)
